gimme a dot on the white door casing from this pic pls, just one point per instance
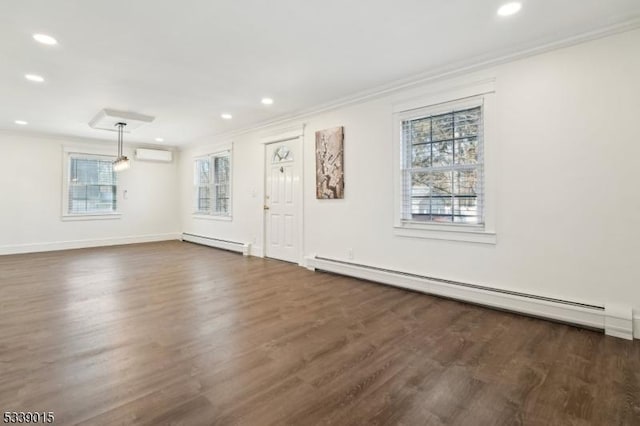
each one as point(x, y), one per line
point(283, 196)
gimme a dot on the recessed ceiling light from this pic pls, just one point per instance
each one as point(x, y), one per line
point(159, 140)
point(21, 122)
point(45, 39)
point(226, 116)
point(267, 101)
point(34, 77)
point(509, 9)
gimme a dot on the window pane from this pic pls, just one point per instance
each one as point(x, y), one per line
point(442, 154)
point(421, 130)
point(431, 196)
point(77, 197)
point(465, 182)
point(203, 175)
point(92, 185)
point(420, 180)
point(204, 198)
point(441, 208)
point(466, 199)
point(222, 172)
point(466, 209)
point(467, 151)
point(92, 198)
point(442, 127)
point(221, 167)
point(420, 196)
point(441, 183)
point(222, 200)
point(441, 202)
point(421, 155)
point(467, 123)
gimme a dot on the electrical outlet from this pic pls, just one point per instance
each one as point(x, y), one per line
point(350, 253)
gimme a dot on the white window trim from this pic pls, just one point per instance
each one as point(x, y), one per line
point(213, 216)
point(104, 216)
point(480, 92)
point(226, 149)
point(67, 151)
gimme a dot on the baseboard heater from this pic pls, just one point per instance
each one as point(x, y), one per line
point(243, 248)
point(615, 322)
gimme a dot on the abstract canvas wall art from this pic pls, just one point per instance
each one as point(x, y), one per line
point(330, 163)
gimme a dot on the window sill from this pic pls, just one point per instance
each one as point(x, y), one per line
point(448, 232)
point(104, 216)
point(212, 217)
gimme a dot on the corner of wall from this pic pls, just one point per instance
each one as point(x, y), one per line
point(255, 251)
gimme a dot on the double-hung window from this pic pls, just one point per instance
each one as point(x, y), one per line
point(442, 165)
point(91, 185)
point(212, 183)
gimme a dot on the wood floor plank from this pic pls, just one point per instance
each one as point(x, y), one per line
point(181, 334)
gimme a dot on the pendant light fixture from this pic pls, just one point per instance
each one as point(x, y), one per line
point(122, 162)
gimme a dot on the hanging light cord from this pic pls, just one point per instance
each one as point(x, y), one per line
point(122, 162)
point(120, 138)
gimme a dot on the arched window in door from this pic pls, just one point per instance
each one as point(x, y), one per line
point(281, 155)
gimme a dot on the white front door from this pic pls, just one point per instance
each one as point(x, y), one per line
point(282, 198)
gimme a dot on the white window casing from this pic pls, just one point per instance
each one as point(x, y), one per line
point(212, 186)
point(444, 146)
point(89, 185)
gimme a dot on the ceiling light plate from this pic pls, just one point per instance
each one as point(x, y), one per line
point(108, 118)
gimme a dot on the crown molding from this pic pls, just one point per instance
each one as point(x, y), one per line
point(282, 133)
point(62, 138)
point(450, 71)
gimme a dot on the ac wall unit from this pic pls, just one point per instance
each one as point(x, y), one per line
point(159, 155)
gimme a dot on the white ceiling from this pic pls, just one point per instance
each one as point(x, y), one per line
point(185, 62)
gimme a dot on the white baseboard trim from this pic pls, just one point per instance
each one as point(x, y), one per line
point(592, 316)
point(78, 244)
point(244, 248)
point(636, 324)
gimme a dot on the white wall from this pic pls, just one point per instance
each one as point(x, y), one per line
point(31, 198)
point(565, 187)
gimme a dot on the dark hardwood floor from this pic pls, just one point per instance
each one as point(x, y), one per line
point(175, 333)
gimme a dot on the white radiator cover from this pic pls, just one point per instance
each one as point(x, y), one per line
point(239, 247)
point(615, 320)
